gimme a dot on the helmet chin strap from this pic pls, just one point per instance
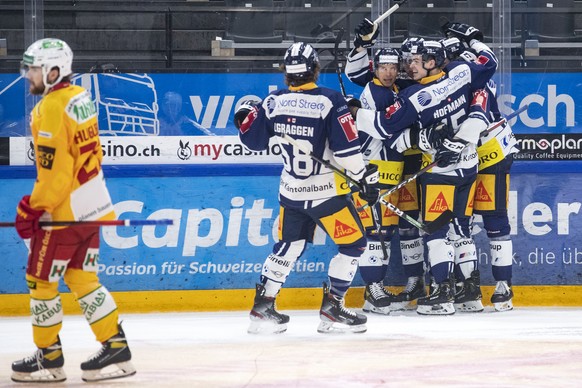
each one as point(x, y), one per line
point(427, 70)
point(48, 86)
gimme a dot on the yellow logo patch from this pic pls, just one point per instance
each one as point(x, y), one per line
point(408, 199)
point(342, 227)
point(485, 192)
point(438, 199)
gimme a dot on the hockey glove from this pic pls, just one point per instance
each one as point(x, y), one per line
point(366, 33)
point(433, 137)
point(27, 218)
point(449, 152)
point(243, 111)
point(369, 190)
point(464, 32)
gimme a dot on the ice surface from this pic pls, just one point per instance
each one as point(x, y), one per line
point(527, 347)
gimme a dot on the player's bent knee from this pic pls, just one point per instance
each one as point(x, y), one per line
point(81, 282)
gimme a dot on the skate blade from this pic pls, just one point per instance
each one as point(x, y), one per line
point(503, 306)
point(266, 327)
point(370, 308)
point(474, 306)
point(437, 309)
point(326, 327)
point(113, 371)
point(401, 306)
point(52, 375)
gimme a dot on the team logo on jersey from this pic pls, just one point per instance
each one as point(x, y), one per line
point(405, 195)
point(484, 198)
point(408, 198)
point(438, 199)
point(246, 124)
point(482, 60)
point(480, 99)
point(342, 230)
point(364, 213)
point(349, 127)
point(46, 156)
point(439, 205)
point(482, 195)
point(342, 227)
point(392, 109)
point(424, 98)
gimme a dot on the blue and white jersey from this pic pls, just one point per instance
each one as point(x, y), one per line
point(319, 120)
point(445, 97)
point(495, 145)
point(358, 67)
point(376, 97)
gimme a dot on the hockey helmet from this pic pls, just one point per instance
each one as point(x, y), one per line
point(300, 62)
point(386, 55)
point(430, 49)
point(47, 54)
point(407, 45)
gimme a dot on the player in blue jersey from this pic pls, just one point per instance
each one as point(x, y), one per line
point(441, 96)
point(495, 150)
point(310, 194)
point(381, 84)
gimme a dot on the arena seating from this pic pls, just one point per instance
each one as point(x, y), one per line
point(175, 35)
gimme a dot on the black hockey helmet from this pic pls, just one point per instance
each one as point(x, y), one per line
point(407, 45)
point(300, 62)
point(431, 49)
point(386, 55)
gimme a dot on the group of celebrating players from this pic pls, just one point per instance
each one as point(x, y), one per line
point(431, 103)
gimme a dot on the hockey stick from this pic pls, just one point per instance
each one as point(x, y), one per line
point(433, 164)
point(428, 228)
point(390, 11)
point(505, 119)
point(98, 223)
point(375, 216)
point(338, 68)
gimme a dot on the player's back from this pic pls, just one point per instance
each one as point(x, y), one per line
point(68, 151)
point(319, 120)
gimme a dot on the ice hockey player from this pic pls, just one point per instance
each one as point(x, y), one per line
point(69, 186)
point(381, 84)
point(495, 150)
point(310, 193)
point(466, 273)
point(405, 52)
point(439, 97)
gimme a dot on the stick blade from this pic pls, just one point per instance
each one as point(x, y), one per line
point(443, 219)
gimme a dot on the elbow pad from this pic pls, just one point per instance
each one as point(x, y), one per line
point(471, 129)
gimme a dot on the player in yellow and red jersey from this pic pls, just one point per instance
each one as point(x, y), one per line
point(69, 186)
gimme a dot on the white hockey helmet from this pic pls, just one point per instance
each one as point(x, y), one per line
point(47, 54)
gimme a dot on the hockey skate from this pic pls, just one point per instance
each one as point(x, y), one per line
point(335, 318)
point(439, 301)
point(415, 288)
point(377, 299)
point(502, 296)
point(44, 366)
point(264, 318)
point(112, 361)
point(468, 294)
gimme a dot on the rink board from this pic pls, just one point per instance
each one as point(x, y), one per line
point(175, 101)
point(226, 223)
